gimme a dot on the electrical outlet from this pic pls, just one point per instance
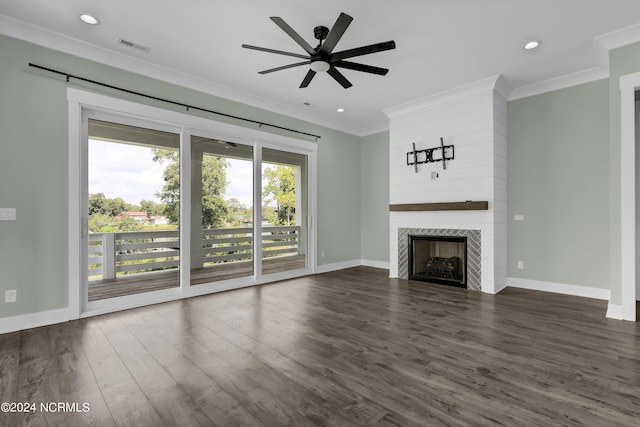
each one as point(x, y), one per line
point(321, 254)
point(518, 217)
point(435, 175)
point(7, 214)
point(10, 295)
point(521, 265)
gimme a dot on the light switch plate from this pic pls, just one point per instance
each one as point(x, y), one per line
point(518, 217)
point(7, 214)
point(10, 295)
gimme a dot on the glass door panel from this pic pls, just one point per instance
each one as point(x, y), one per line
point(133, 210)
point(221, 210)
point(284, 211)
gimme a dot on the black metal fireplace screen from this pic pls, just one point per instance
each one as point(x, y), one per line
point(438, 259)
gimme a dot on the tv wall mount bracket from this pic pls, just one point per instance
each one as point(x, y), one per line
point(430, 155)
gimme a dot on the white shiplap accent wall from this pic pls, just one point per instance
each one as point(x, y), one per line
point(473, 119)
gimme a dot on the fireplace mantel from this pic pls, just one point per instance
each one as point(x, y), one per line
point(447, 206)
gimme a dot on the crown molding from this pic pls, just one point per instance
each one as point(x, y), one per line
point(619, 38)
point(563, 82)
point(602, 45)
point(502, 87)
point(373, 128)
point(40, 36)
point(475, 88)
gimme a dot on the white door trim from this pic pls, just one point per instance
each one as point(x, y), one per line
point(628, 85)
point(80, 102)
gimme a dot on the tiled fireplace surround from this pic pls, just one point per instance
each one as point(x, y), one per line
point(473, 251)
point(473, 119)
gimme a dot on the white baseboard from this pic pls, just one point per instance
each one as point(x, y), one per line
point(500, 288)
point(353, 263)
point(614, 311)
point(337, 266)
point(375, 264)
point(34, 320)
point(559, 288)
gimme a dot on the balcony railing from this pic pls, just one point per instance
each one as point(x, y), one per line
point(114, 254)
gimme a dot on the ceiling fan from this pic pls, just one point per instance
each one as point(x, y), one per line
point(322, 58)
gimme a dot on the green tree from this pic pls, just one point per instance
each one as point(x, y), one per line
point(127, 223)
point(238, 212)
point(170, 193)
point(96, 204)
point(281, 188)
point(99, 203)
point(101, 223)
point(132, 208)
point(113, 207)
point(214, 186)
point(151, 207)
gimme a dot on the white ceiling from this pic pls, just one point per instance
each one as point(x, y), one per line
point(441, 44)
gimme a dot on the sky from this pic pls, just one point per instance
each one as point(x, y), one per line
point(128, 171)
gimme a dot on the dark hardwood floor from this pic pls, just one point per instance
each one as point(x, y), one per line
point(347, 348)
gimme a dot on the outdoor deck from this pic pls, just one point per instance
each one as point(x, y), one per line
point(147, 282)
point(123, 263)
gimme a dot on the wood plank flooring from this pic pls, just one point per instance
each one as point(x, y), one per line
point(347, 348)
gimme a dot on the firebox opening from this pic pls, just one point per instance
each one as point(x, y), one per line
point(438, 259)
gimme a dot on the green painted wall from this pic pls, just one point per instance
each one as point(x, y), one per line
point(558, 178)
point(338, 201)
point(374, 197)
point(33, 179)
point(624, 60)
point(34, 167)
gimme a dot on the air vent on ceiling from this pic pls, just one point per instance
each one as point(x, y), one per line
point(134, 45)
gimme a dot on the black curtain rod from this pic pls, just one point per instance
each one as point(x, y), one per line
point(187, 106)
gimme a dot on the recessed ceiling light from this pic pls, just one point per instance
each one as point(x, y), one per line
point(88, 19)
point(340, 110)
point(532, 44)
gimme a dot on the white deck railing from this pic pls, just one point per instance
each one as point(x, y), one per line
point(130, 252)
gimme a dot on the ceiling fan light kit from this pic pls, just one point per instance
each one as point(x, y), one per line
point(320, 66)
point(322, 58)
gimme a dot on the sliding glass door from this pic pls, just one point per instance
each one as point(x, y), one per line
point(231, 238)
point(284, 211)
point(133, 205)
point(168, 206)
point(221, 210)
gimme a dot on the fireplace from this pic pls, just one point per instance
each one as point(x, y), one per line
point(473, 264)
point(438, 259)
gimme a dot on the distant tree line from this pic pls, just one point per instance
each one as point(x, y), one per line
point(217, 211)
point(103, 213)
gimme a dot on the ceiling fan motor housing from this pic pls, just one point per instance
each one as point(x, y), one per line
point(321, 32)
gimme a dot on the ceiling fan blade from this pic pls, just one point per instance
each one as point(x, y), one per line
point(279, 52)
point(361, 67)
point(307, 79)
point(295, 36)
point(339, 77)
point(364, 50)
point(284, 67)
point(334, 36)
